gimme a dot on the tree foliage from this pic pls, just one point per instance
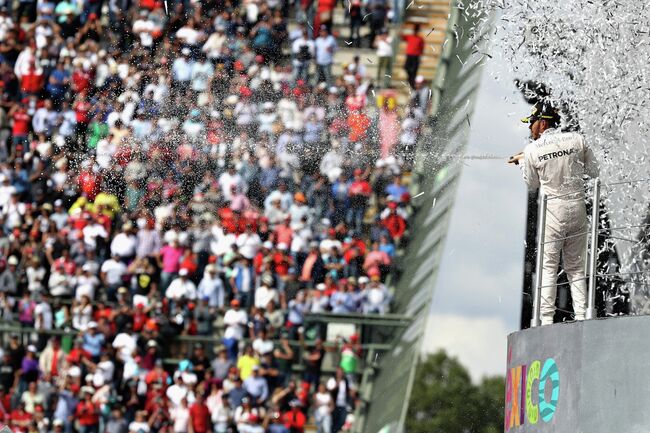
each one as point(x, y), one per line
point(444, 399)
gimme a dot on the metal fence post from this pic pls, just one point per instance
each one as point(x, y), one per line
point(595, 213)
point(541, 230)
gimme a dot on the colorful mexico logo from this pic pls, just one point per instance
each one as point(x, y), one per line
point(522, 382)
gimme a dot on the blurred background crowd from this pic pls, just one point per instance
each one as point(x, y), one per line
point(201, 172)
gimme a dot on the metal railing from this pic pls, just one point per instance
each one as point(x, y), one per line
point(591, 249)
point(370, 350)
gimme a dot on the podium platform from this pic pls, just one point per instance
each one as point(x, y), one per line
point(580, 377)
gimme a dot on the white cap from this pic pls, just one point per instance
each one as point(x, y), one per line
point(232, 99)
point(92, 324)
point(282, 246)
point(185, 51)
point(321, 287)
point(268, 245)
point(188, 378)
point(12, 260)
point(183, 272)
point(363, 279)
point(98, 380)
point(31, 348)
point(419, 79)
point(74, 371)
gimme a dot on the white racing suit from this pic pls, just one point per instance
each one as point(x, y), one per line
point(557, 162)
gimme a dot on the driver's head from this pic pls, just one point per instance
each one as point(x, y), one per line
point(544, 116)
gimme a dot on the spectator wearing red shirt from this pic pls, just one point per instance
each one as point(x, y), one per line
point(20, 419)
point(294, 419)
point(394, 223)
point(359, 123)
point(87, 413)
point(199, 416)
point(90, 183)
point(283, 233)
point(5, 405)
point(282, 262)
point(82, 112)
point(414, 50)
point(31, 82)
point(260, 258)
point(77, 353)
point(20, 130)
point(80, 80)
point(359, 193)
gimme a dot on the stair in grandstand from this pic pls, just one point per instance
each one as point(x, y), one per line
point(432, 15)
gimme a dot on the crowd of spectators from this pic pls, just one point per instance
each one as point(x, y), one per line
point(199, 172)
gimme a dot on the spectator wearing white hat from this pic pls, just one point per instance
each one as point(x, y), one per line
point(248, 242)
point(124, 243)
point(235, 320)
point(242, 282)
point(265, 293)
point(8, 276)
point(111, 274)
point(86, 283)
point(59, 216)
point(93, 340)
point(211, 287)
point(181, 287)
point(318, 301)
point(182, 70)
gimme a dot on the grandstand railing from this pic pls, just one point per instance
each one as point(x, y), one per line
point(371, 350)
point(591, 248)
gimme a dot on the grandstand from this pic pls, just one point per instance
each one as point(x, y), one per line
point(195, 238)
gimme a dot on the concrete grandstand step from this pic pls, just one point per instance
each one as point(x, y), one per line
point(432, 16)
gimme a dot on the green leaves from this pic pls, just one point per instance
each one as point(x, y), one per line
point(444, 399)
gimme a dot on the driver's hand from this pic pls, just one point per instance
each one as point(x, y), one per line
point(516, 158)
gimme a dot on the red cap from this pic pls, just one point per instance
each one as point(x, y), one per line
point(358, 172)
point(392, 205)
point(234, 303)
point(331, 232)
point(245, 91)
